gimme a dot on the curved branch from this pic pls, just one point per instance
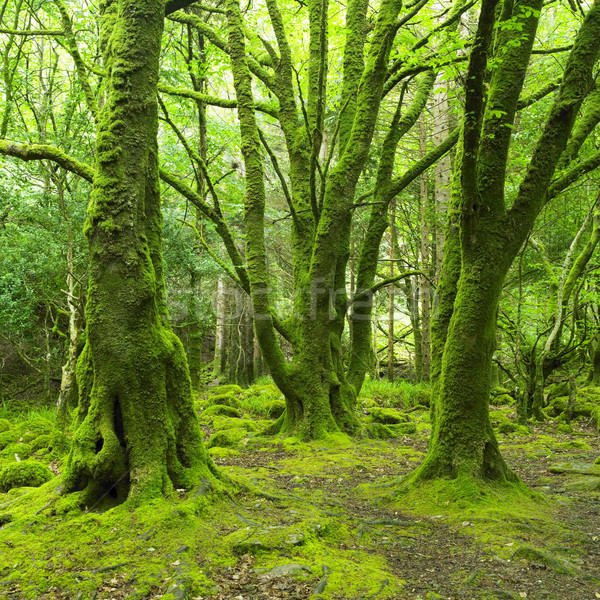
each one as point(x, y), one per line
point(29, 152)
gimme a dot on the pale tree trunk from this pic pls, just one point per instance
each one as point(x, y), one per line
point(220, 359)
point(391, 296)
point(443, 169)
point(425, 292)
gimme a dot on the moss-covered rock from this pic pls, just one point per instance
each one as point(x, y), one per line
point(502, 423)
point(219, 390)
point(28, 473)
point(387, 416)
point(266, 539)
point(224, 400)
point(41, 442)
point(10, 436)
point(403, 428)
point(227, 437)
point(37, 426)
point(541, 557)
point(23, 451)
point(219, 452)
point(274, 408)
point(220, 422)
point(380, 431)
point(5, 425)
point(220, 409)
point(500, 396)
point(368, 403)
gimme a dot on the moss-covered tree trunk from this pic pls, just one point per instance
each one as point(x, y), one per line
point(136, 432)
point(485, 235)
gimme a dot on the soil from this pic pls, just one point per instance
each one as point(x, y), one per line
point(443, 559)
point(345, 535)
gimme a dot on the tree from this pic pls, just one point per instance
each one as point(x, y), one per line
point(136, 432)
point(320, 392)
point(486, 231)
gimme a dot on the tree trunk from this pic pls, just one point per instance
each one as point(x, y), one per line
point(463, 441)
point(424, 288)
point(136, 434)
point(391, 307)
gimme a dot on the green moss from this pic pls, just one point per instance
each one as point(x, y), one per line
point(387, 416)
point(404, 428)
point(274, 408)
point(224, 400)
point(37, 426)
point(28, 473)
point(572, 445)
point(224, 390)
point(7, 437)
point(221, 452)
point(220, 409)
point(41, 442)
point(227, 437)
point(5, 425)
point(23, 451)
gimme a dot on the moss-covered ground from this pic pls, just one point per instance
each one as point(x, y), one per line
point(321, 520)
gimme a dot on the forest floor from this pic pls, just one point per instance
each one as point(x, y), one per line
point(325, 522)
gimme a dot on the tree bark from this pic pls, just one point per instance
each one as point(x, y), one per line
point(136, 434)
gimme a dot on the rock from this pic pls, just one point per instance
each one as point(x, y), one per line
point(404, 428)
point(584, 484)
point(224, 400)
point(227, 437)
point(557, 564)
point(387, 416)
point(286, 570)
point(10, 436)
point(23, 451)
point(274, 408)
point(265, 539)
point(28, 473)
point(576, 468)
point(220, 409)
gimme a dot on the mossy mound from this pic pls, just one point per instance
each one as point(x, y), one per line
point(41, 442)
point(387, 416)
point(220, 409)
point(224, 400)
point(222, 422)
point(274, 408)
point(220, 452)
point(5, 425)
point(500, 396)
point(265, 539)
point(10, 436)
point(227, 437)
point(23, 451)
point(228, 390)
point(37, 426)
point(385, 432)
point(585, 402)
point(28, 473)
point(540, 557)
point(502, 423)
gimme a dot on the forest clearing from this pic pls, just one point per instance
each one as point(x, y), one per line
point(299, 299)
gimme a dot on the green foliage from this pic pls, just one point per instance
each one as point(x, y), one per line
point(397, 394)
